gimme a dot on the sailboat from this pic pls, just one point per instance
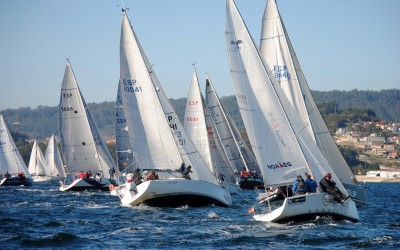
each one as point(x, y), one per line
point(281, 61)
point(54, 161)
point(82, 145)
point(282, 147)
point(239, 155)
point(37, 165)
point(13, 170)
point(201, 129)
point(158, 139)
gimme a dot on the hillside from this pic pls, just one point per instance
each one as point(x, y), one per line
point(41, 122)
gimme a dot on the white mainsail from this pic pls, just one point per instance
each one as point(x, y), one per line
point(125, 159)
point(195, 123)
point(280, 58)
point(82, 145)
point(37, 164)
point(201, 129)
point(157, 136)
point(238, 153)
point(283, 151)
point(53, 158)
point(10, 159)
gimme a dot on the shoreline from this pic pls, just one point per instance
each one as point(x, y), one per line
point(364, 178)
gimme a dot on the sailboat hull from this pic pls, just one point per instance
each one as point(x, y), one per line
point(173, 193)
point(232, 188)
point(251, 183)
point(309, 206)
point(359, 193)
point(47, 178)
point(16, 181)
point(87, 184)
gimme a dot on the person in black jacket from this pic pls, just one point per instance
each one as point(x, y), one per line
point(185, 173)
point(329, 186)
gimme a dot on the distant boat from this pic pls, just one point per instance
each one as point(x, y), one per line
point(54, 161)
point(239, 155)
point(13, 170)
point(37, 165)
point(201, 129)
point(281, 149)
point(158, 140)
point(285, 71)
point(82, 145)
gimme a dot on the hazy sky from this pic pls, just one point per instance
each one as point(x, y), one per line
point(341, 44)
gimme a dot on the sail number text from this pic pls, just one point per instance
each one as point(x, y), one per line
point(131, 86)
point(281, 72)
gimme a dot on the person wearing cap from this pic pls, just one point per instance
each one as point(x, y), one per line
point(329, 186)
point(299, 186)
point(311, 185)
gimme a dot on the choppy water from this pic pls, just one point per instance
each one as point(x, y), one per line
point(43, 217)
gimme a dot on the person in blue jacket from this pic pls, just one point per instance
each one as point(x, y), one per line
point(299, 186)
point(311, 185)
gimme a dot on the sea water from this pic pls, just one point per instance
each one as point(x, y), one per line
point(41, 216)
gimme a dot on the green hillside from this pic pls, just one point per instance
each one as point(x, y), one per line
point(41, 122)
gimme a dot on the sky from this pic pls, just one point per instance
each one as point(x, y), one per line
point(341, 44)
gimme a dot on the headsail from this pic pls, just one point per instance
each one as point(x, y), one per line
point(125, 159)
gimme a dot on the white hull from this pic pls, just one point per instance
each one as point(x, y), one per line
point(232, 188)
point(173, 193)
point(306, 207)
point(47, 178)
point(87, 184)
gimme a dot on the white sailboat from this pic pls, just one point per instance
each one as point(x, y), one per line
point(37, 165)
point(200, 128)
point(282, 150)
point(13, 170)
point(158, 139)
point(280, 58)
point(240, 158)
point(82, 145)
point(54, 161)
